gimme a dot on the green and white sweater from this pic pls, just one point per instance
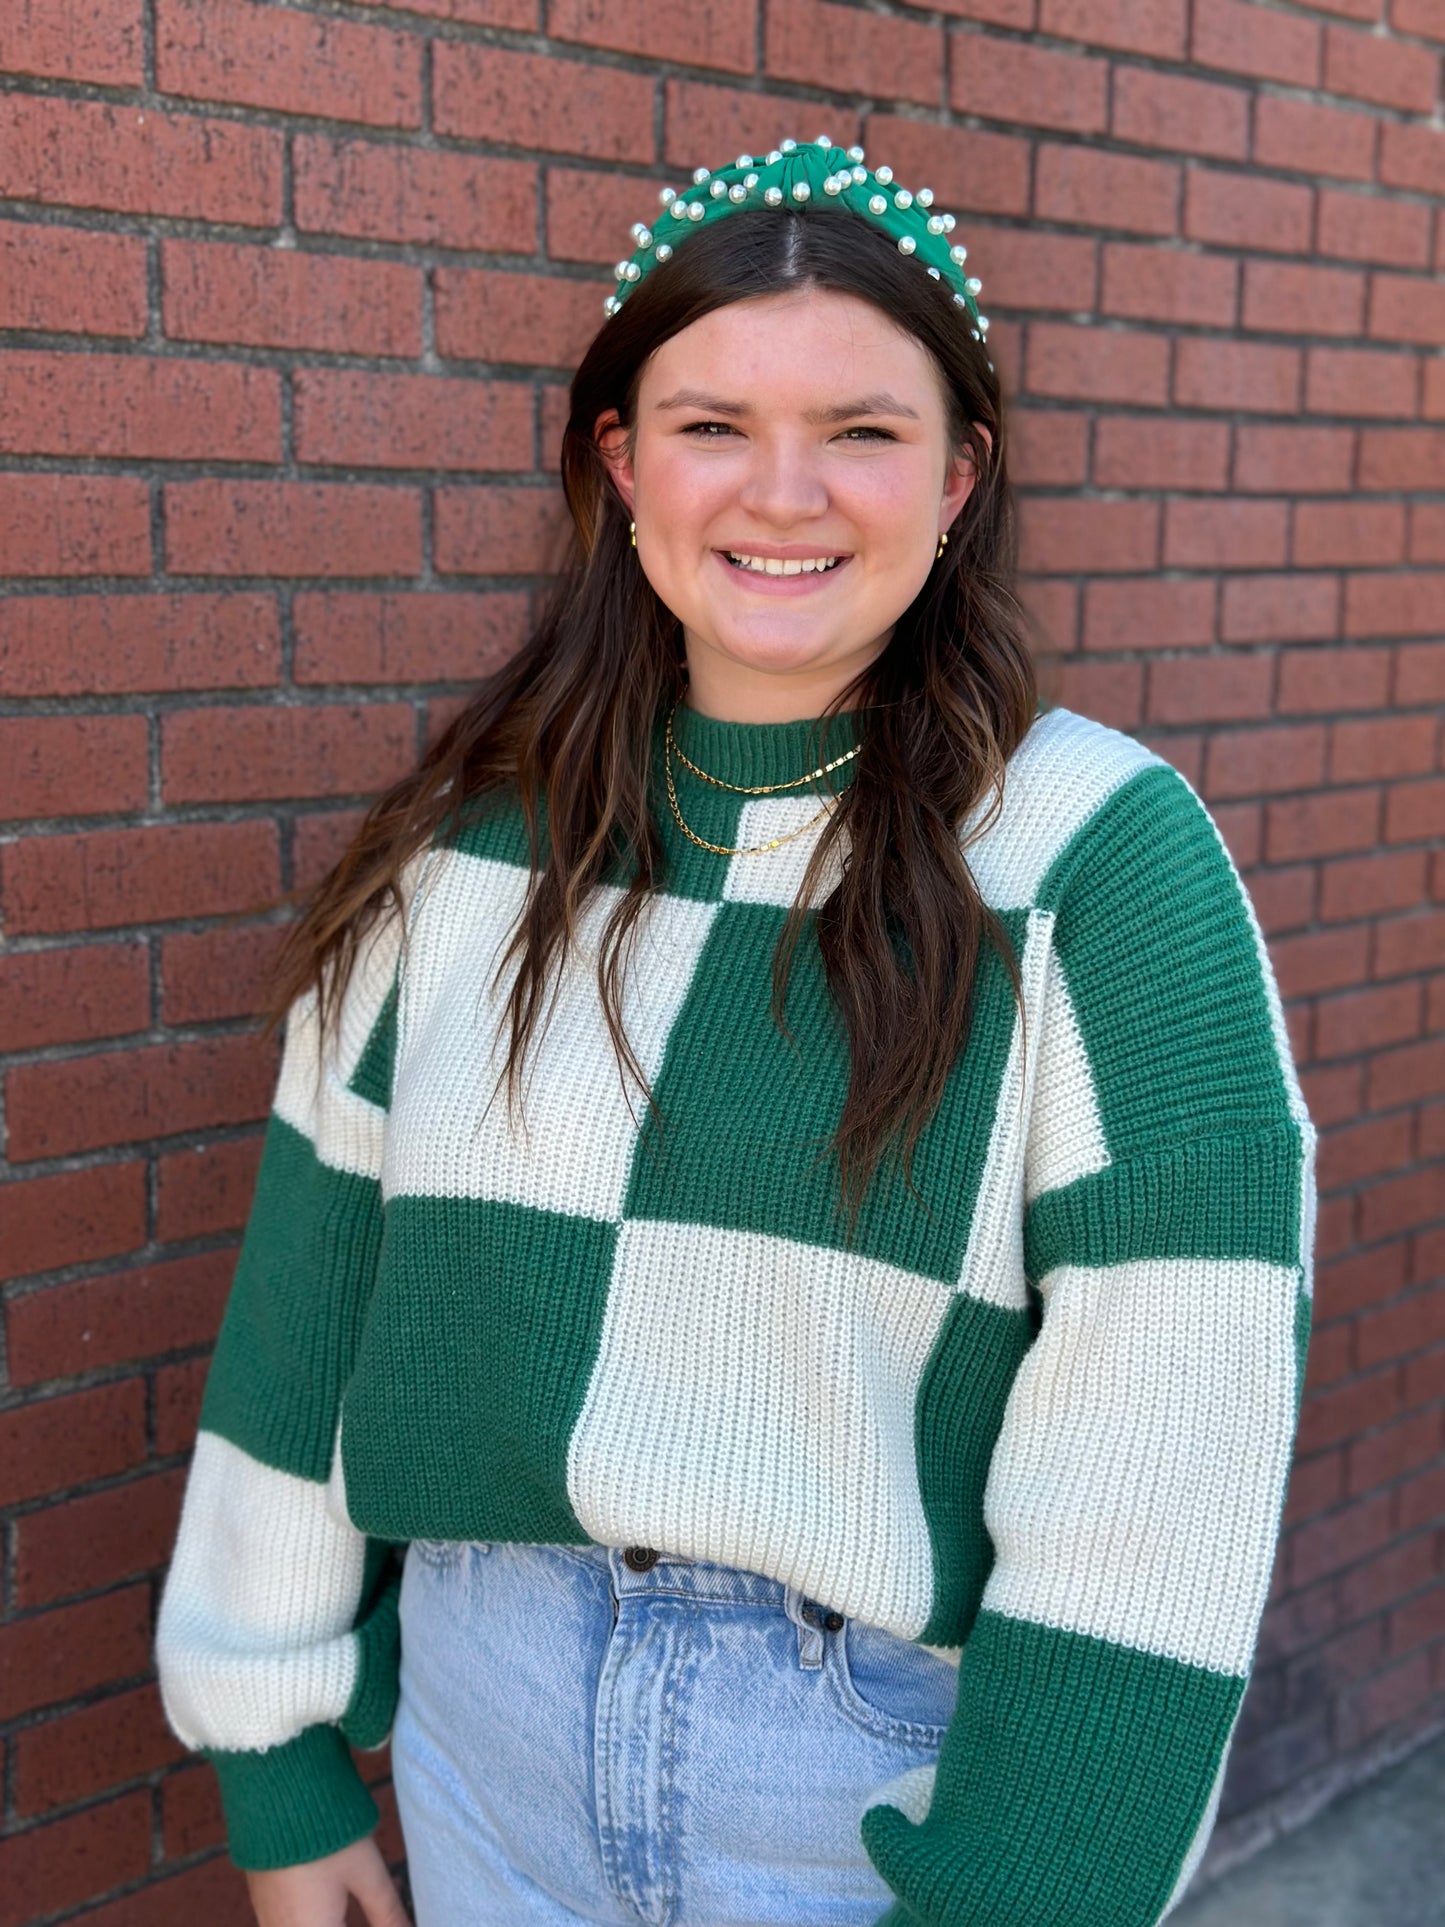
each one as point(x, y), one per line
point(1038, 1417)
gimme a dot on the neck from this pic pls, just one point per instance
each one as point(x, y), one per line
point(732, 692)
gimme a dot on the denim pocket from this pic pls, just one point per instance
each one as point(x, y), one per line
point(440, 1554)
point(891, 1686)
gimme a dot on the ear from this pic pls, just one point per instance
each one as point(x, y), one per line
point(611, 438)
point(962, 476)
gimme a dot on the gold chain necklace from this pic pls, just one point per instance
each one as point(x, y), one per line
point(752, 849)
point(758, 789)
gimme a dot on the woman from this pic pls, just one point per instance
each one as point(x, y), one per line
point(788, 1199)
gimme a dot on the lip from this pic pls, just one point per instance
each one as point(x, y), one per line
point(780, 585)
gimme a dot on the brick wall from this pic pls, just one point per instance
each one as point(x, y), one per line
point(292, 293)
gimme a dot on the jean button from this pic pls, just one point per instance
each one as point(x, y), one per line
point(640, 1558)
point(834, 1622)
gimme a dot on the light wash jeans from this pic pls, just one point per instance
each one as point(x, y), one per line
point(686, 1745)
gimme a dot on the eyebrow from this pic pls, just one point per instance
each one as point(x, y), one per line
point(879, 403)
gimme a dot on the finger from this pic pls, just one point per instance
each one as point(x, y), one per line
point(380, 1901)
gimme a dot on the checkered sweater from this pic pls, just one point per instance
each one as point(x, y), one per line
point(1037, 1418)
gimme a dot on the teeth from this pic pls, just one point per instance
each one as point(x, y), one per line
point(768, 565)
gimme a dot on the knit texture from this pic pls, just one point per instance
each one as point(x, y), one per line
point(1037, 1416)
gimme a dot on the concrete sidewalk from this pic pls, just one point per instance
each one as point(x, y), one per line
point(1376, 1858)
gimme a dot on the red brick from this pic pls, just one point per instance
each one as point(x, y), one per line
point(1360, 381)
point(57, 1442)
point(72, 1758)
point(717, 36)
point(999, 13)
point(191, 1812)
point(1419, 1621)
point(82, 153)
point(1282, 608)
point(1026, 269)
point(244, 755)
point(1099, 189)
point(1137, 452)
point(1183, 691)
point(209, 975)
point(72, 765)
point(92, 880)
point(1366, 1020)
point(119, 1319)
point(1318, 681)
point(1246, 39)
point(1421, 1502)
point(490, 93)
point(1283, 297)
point(1304, 461)
point(1412, 810)
point(440, 637)
point(1381, 1457)
point(1097, 364)
point(1423, 17)
point(1404, 308)
point(213, 1892)
point(1339, 1539)
point(1245, 211)
point(71, 1218)
point(1412, 157)
point(1167, 284)
point(531, 319)
point(1236, 375)
point(96, 40)
point(1227, 534)
point(44, 1869)
point(279, 298)
point(178, 1404)
point(1316, 960)
point(74, 525)
point(95, 1540)
point(1427, 532)
point(1150, 614)
point(499, 531)
point(1313, 139)
point(1064, 537)
point(1402, 458)
point(389, 192)
point(1348, 534)
point(206, 1189)
point(297, 63)
point(1263, 762)
point(69, 996)
point(1397, 604)
point(1326, 823)
point(977, 171)
point(134, 407)
point(1314, 1487)
point(1381, 749)
point(838, 47)
point(319, 840)
point(1050, 448)
point(1185, 116)
point(1414, 1323)
point(108, 645)
point(114, 1097)
point(1374, 885)
point(291, 529)
point(69, 281)
point(358, 419)
point(1421, 674)
point(1131, 26)
point(1387, 1700)
point(1387, 72)
point(1332, 1416)
point(1425, 1376)
point(1371, 227)
point(1113, 692)
point(478, 13)
point(1038, 86)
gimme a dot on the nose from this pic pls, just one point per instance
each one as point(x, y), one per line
point(782, 487)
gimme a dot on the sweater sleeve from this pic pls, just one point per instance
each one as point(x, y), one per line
point(277, 1637)
point(1135, 1488)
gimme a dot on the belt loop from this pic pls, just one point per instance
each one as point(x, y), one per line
point(810, 1636)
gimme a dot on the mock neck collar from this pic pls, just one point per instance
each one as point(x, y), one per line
point(758, 753)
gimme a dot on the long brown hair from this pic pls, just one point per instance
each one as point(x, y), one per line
point(566, 725)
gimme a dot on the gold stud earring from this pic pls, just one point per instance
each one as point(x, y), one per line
point(942, 543)
point(633, 527)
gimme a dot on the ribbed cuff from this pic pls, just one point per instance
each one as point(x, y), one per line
point(292, 1803)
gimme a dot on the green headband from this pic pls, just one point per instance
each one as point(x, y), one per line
point(790, 176)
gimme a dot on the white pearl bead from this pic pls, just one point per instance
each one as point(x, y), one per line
point(744, 160)
point(958, 253)
point(983, 322)
point(695, 211)
point(718, 189)
point(775, 154)
point(664, 252)
point(823, 140)
point(612, 304)
point(632, 272)
point(772, 195)
point(802, 191)
point(906, 244)
point(974, 285)
point(860, 174)
point(679, 210)
point(903, 198)
point(667, 196)
point(833, 184)
point(620, 271)
point(700, 174)
point(855, 154)
point(883, 175)
point(935, 224)
point(877, 204)
point(924, 197)
point(949, 224)
point(787, 146)
point(750, 181)
point(737, 192)
point(936, 275)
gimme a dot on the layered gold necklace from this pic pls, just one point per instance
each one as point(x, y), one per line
point(672, 749)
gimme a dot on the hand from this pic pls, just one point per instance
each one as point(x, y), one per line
point(316, 1893)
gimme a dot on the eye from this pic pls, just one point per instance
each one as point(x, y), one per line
point(700, 430)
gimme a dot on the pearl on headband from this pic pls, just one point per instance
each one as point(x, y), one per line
point(796, 172)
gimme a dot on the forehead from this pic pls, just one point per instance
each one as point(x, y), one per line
point(803, 350)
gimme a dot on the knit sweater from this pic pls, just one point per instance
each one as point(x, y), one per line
point(1036, 1416)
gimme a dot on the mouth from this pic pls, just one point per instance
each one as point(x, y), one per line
point(783, 578)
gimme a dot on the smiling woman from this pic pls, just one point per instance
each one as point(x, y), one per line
point(788, 1200)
